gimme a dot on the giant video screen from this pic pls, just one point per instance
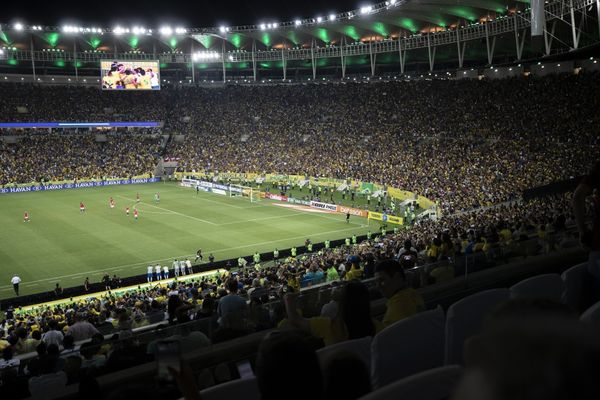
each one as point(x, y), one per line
point(130, 75)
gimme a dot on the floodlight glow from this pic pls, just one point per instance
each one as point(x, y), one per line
point(118, 30)
point(366, 9)
point(275, 24)
point(319, 19)
point(18, 26)
point(263, 27)
point(222, 29)
point(392, 2)
point(297, 22)
point(269, 25)
point(332, 17)
point(166, 30)
point(180, 31)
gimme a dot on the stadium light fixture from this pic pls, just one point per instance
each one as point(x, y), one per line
point(166, 31)
point(180, 30)
point(222, 29)
point(319, 19)
point(118, 31)
point(18, 26)
point(332, 17)
point(275, 25)
point(297, 22)
point(366, 9)
point(262, 27)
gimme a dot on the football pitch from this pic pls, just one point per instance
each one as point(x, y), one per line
point(62, 245)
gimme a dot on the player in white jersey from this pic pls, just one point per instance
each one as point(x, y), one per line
point(165, 272)
point(182, 267)
point(149, 274)
point(157, 269)
point(176, 268)
point(188, 263)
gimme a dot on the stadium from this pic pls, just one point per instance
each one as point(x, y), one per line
point(342, 201)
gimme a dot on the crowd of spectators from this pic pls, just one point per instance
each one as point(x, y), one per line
point(464, 144)
point(60, 157)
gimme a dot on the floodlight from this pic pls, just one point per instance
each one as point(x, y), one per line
point(180, 31)
point(118, 30)
point(297, 22)
point(319, 19)
point(222, 29)
point(392, 2)
point(275, 25)
point(263, 27)
point(332, 17)
point(166, 30)
point(366, 9)
point(18, 26)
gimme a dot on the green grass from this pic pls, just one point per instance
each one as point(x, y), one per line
point(62, 245)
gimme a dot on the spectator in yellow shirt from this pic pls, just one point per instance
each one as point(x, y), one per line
point(403, 301)
point(353, 320)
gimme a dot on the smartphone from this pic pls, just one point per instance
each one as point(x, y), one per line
point(245, 370)
point(168, 354)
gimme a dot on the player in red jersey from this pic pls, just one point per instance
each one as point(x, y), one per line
point(111, 203)
point(127, 210)
point(81, 207)
point(135, 213)
point(26, 217)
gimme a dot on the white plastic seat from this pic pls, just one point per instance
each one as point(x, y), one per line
point(545, 286)
point(408, 346)
point(573, 279)
point(434, 384)
point(361, 348)
point(465, 319)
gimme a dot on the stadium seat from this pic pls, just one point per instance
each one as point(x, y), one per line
point(545, 286)
point(246, 389)
point(465, 318)
point(434, 384)
point(361, 348)
point(409, 346)
point(592, 314)
point(573, 279)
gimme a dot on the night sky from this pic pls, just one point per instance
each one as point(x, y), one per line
point(152, 13)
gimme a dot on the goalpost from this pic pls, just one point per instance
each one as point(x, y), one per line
point(244, 191)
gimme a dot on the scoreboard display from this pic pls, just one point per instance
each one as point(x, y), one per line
point(130, 75)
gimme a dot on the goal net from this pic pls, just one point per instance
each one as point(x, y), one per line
point(244, 191)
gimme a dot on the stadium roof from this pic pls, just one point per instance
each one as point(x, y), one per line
point(388, 19)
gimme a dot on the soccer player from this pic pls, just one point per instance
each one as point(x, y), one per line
point(111, 203)
point(182, 268)
point(198, 255)
point(149, 273)
point(26, 217)
point(81, 207)
point(127, 211)
point(86, 284)
point(157, 197)
point(157, 270)
point(165, 272)
point(137, 198)
point(188, 263)
point(135, 213)
point(176, 268)
point(348, 217)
